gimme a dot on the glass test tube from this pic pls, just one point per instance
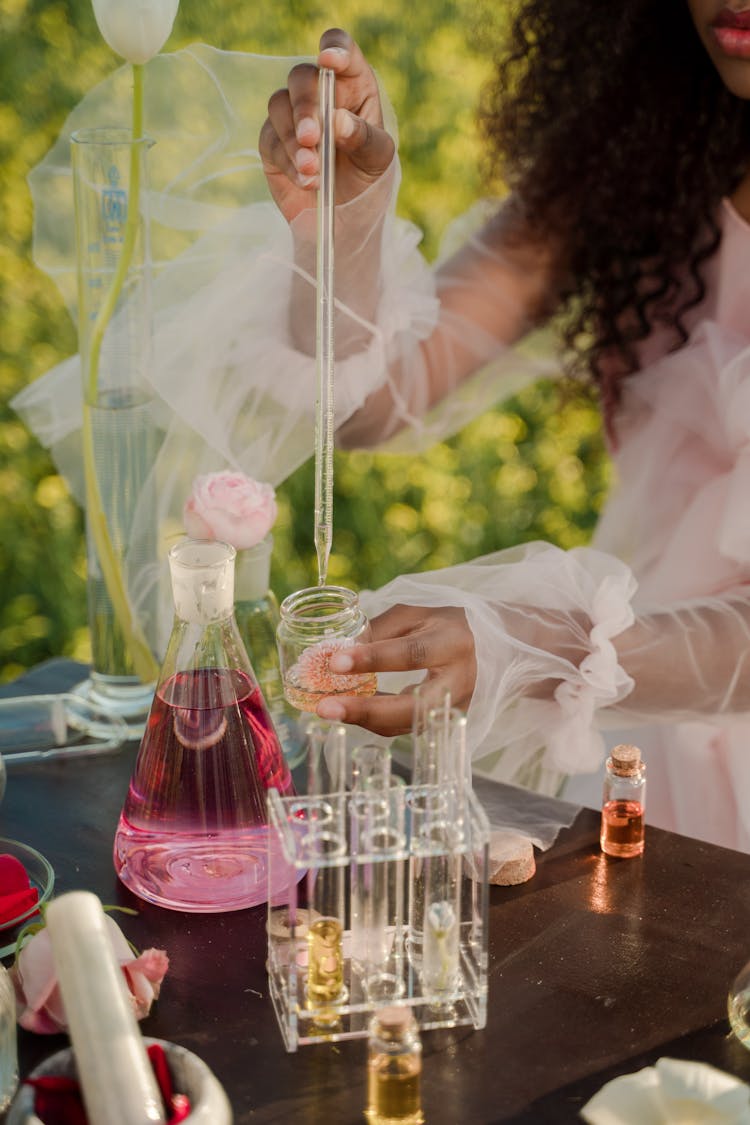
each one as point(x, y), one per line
point(377, 889)
point(438, 801)
point(325, 849)
point(371, 766)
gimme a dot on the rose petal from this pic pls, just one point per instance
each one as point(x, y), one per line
point(34, 971)
point(38, 998)
point(16, 903)
point(230, 506)
point(153, 963)
point(13, 876)
point(40, 1022)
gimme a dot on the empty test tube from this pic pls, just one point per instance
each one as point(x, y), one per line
point(377, 889)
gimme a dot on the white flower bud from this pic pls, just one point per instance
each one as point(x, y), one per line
point(135, 29)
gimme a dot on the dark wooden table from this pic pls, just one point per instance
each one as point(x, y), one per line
point(598, 967)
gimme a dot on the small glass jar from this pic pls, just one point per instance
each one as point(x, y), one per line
point(624, 803)
point(394, 1069)
point(315, 623)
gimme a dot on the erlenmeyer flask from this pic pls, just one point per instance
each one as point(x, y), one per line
point(193, 832)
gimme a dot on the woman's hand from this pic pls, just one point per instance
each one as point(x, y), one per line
point(290, 135)
point(407, 638)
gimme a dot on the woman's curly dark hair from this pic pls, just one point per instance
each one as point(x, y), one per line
point(612, 125)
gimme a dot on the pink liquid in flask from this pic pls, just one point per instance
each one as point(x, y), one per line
point(193, 833)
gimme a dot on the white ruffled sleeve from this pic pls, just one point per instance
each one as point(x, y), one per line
point(544, 621)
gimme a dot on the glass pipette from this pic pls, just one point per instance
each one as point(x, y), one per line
point(324, 407)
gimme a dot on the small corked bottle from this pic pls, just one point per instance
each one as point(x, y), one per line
point(624, 803)
point(394, 1068)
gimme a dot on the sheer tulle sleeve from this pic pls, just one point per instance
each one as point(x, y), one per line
point(545, 623)
point(233, 377)
point(562, 655)
point(232, 381)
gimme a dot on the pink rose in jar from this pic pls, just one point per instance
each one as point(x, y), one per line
point(232, 507)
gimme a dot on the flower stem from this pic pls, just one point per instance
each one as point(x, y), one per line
point(140, 653)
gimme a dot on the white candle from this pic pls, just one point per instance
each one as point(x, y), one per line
point(117, 1081)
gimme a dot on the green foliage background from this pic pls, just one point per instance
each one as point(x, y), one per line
point(533, 468)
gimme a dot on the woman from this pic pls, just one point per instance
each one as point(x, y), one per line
point(624, 137)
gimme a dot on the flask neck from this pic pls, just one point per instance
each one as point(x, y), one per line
point(202, 573)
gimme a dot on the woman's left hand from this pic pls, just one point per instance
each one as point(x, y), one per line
point(407, 638)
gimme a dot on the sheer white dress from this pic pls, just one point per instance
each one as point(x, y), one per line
point(644, 635)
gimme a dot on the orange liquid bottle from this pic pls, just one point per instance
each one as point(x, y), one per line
point(623, 803)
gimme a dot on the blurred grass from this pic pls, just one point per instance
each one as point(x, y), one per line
point(534, 468)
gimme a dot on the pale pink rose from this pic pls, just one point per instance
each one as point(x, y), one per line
point(38, 1000)
point(232, 507)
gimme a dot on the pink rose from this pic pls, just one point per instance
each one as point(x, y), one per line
point(232, 507)
point(38, 998)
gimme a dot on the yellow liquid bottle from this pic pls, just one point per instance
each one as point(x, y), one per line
point(394, 1069)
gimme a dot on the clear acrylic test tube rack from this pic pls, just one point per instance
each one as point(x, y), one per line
point(413, 835)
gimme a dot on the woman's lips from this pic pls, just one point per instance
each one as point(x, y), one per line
point(731, 31)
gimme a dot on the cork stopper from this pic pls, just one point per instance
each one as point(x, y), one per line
point(626, 759)
point(393, 1023)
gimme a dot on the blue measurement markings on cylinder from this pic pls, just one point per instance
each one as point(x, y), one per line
point(114, 208)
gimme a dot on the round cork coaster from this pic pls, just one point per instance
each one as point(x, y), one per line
point(511, 858)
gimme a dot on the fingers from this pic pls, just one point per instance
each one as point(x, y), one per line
point(410, 638)
point(368, 147)
point(359, 117)
point(292, 129)
point(290, 136)
point(400, 654)
point(382, 714)
point(340, 53)
point(388, 715)
point(407, 638)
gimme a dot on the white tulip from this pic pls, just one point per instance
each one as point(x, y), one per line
point(135, 29)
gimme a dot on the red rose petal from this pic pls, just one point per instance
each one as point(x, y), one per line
point(13, 875)
point(57, 1099)
point(13, 905)
point(17, 896)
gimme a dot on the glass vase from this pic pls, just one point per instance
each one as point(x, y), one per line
point(120, 435)
point(257, 612)
point(193, 833)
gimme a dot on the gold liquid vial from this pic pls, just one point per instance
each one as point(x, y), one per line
point(394, 1069)
point(325, 966)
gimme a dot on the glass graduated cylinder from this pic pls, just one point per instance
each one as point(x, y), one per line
point(124, 450)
